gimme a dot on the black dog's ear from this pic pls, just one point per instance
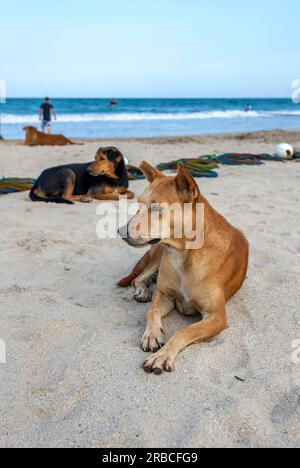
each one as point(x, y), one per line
point(119, 163)
point(99, 152)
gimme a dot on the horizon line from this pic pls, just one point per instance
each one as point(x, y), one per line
point(141, 98)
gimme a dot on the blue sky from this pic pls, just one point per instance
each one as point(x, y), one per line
point(150, 48)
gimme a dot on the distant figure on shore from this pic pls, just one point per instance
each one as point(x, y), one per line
point(248, 108)
point(47, 112)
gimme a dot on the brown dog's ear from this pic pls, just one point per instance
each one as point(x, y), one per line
point(150, 172)
point(186, 185)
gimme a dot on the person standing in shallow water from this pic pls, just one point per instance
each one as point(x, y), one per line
point(46, 114)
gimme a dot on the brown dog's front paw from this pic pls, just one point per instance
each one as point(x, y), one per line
point(143, 295)
point(162, 361)
point(152, 341)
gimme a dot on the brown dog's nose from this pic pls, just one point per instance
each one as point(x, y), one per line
point(123, 232)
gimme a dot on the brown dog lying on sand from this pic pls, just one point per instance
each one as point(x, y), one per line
point(36, 138)
point(191, 280)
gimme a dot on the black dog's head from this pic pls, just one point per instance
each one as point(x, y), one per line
point(109, 162)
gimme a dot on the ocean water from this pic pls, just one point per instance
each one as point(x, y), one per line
point(93, 118)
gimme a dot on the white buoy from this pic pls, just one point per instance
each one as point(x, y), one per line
point(284, 150)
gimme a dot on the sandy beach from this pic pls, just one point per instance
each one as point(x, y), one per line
point(73, 376)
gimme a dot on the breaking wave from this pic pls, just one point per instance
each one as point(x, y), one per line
point(139, 116)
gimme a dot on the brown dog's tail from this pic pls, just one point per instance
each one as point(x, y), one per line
point(35, 198)
point(70, 142)
point(126, 282)
point(136, 272)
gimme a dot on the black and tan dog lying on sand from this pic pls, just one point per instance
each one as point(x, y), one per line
point(103, 179)
point(193, 281)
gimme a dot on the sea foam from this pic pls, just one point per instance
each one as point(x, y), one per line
point(141, 116)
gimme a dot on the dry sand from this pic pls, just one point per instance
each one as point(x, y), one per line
point(73, 375)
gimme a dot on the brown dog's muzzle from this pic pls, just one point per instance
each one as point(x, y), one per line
point(124, 234)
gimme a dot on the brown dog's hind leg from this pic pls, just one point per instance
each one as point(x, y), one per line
point(137, 271)
point(141, 283)
point(214, 323)
point(145, 270)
